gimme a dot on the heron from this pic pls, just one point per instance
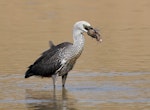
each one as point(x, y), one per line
point(59, 59)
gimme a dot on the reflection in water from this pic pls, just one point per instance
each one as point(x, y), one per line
point(49, 100)
point(120, 62)
point(85, 91)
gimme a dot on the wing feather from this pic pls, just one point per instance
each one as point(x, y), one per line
point(48, 63)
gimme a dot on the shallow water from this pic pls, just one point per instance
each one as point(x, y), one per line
point(87, 90)
point(113, 75)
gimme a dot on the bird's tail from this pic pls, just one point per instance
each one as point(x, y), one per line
point(28, 73)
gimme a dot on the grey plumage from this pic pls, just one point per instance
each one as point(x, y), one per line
point(49, 62)
point(59, 60)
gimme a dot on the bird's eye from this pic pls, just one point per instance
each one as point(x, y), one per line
point(85, 27)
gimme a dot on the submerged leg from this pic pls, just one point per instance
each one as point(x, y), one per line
point(64, 77)
point(54, 77)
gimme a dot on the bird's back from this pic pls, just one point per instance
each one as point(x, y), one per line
point(49, 62)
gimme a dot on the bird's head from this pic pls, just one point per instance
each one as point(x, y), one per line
point(84, 26)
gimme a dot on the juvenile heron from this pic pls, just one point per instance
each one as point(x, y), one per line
point(59, 59)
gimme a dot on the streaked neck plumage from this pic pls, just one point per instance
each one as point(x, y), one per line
point(78, 39)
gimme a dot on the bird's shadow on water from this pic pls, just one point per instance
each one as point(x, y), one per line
point(49, 100)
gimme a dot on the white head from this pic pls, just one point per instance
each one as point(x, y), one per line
point(80, 25)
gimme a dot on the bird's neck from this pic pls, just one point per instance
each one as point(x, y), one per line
point(78, 40)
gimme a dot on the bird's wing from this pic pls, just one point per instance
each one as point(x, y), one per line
point(51, 45)
point(49, 62)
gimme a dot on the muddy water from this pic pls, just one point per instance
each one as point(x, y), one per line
point(113, 75)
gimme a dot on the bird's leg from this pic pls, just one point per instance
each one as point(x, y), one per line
point(54, 77)
point(64, 77)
